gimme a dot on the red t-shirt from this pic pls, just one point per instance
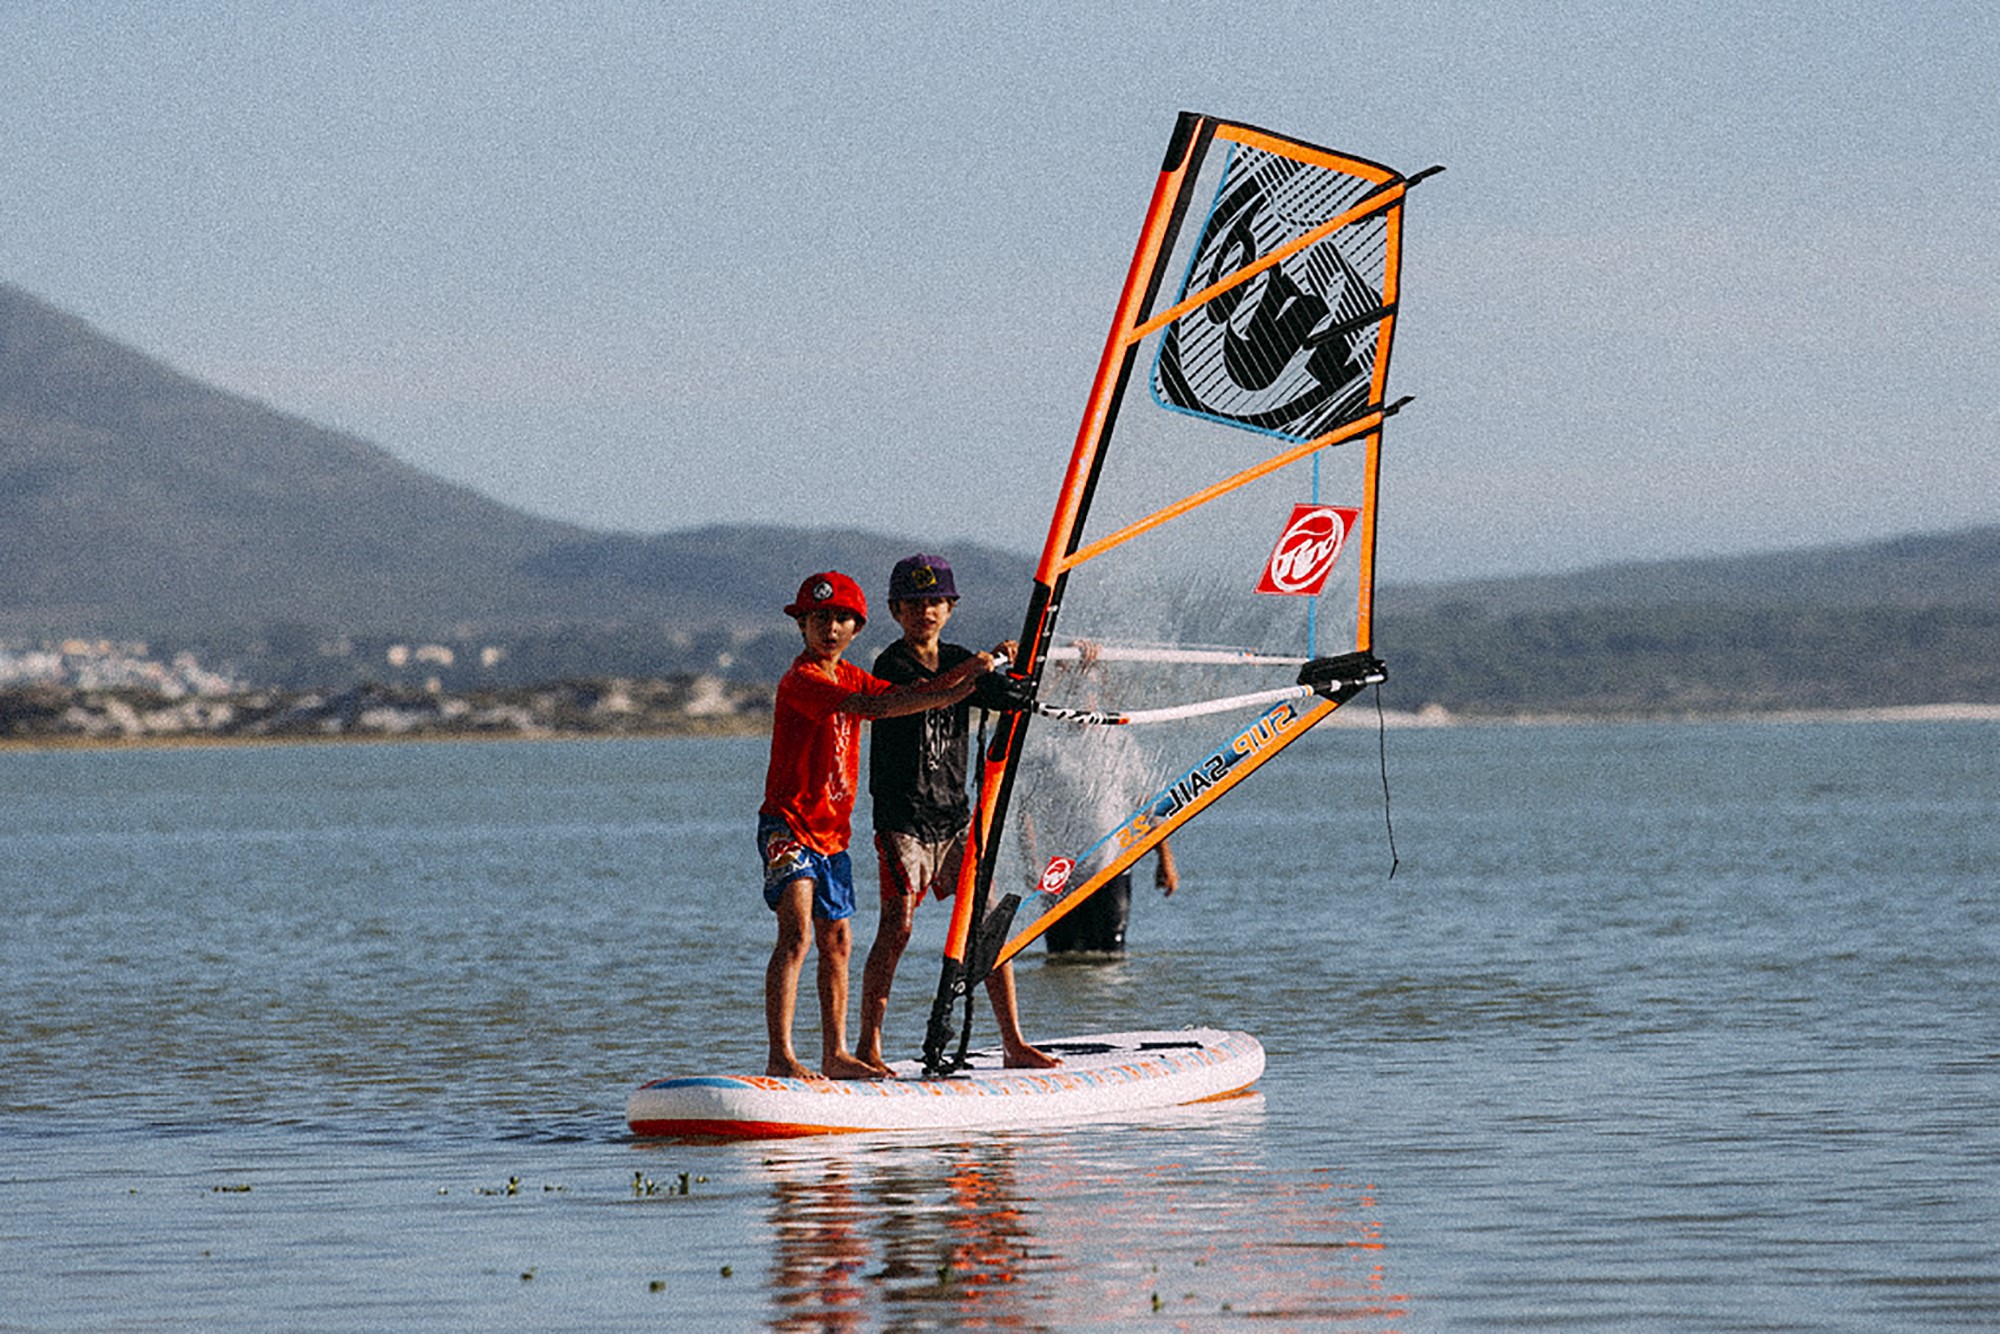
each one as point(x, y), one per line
point(816, 751)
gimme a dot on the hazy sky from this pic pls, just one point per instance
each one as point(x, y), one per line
point(1700, 277)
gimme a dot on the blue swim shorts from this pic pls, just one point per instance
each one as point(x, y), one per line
point(787, 859)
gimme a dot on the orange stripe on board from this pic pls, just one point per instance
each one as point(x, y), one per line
point(704, 1129)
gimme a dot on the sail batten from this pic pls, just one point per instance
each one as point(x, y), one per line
point(1214, 536)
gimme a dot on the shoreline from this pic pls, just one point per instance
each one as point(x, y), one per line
point(194, 740)
point(759, 726)
point(1434, 716)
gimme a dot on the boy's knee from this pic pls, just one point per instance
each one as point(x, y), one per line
point(833, 937)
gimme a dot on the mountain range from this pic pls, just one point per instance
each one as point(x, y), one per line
point(139, 503)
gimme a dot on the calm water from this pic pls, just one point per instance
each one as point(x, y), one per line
point(1655, 1028)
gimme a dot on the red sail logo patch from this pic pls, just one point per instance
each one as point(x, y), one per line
point(1308, 550)
point(1056, 874)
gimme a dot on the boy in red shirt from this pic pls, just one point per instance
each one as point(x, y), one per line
point(804, 824)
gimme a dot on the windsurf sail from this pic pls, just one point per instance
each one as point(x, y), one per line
point(1204, 595)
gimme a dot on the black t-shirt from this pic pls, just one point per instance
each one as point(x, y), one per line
point(916, 763)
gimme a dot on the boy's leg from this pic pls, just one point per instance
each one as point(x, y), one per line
point(781, 978)
point(1007, 1014)
point(878, 974)
point(834, 940)
point(900, 865)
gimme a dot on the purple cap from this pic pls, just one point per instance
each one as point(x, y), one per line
point(921, 577)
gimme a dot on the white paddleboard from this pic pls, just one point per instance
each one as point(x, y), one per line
point(1103, 1075)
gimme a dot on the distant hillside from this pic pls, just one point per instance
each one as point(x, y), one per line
point(134, 500)
point(728, 574)
point(1912, 620)
point(137, 502)
point(1921, 570)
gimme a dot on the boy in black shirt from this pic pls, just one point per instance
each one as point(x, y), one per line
point(916, 774)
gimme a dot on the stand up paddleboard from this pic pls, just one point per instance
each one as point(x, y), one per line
point(1103, 1075)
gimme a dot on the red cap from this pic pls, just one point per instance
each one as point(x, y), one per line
point(829, 588)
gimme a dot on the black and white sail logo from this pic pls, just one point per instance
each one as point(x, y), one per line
point(1290, 351)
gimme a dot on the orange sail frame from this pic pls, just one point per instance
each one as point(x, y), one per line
point(967, 956)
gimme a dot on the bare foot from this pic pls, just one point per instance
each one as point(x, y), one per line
point(790, 1069)
point(1031, 1058)
point(845, 1065)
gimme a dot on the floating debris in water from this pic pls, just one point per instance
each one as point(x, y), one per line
point(643, 1185)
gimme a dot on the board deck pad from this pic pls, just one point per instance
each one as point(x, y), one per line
point(1102, 1076)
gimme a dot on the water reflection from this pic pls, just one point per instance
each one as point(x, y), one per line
point(1098, 1227)
point(868, 1236)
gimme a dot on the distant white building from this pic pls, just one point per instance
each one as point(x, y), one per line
point(86, 664)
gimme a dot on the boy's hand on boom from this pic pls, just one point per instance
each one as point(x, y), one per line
point(938, 692)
